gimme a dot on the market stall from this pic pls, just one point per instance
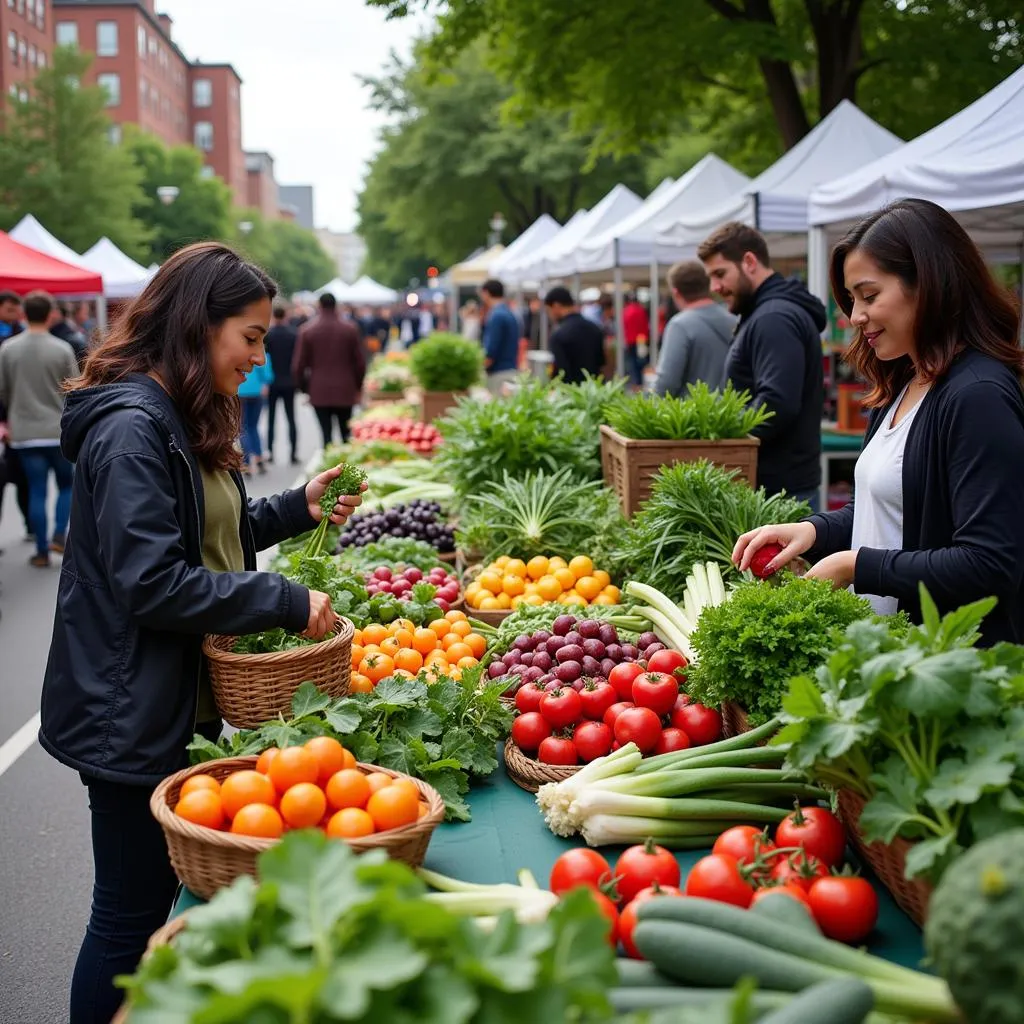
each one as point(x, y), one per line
point(23, 269)
point(123, 278)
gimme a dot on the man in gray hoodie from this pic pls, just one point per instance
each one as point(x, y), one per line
point(33, 367)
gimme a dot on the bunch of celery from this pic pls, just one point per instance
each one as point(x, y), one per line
point(684, 799)
point(527, 900)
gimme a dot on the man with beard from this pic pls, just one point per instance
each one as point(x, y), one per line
point(775, 355)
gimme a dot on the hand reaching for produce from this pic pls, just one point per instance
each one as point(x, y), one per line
point(352, 484)
point(793, 538)
point(321, 616)
point(839, 568)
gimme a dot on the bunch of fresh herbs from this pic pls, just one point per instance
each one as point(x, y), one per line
point(704, 415)
point(327, 935)
point(593, 396)
point(924, 725)
point(749, 647)
point(695, 513)
point(348, 483)
point(446, 362)
point(444, 732)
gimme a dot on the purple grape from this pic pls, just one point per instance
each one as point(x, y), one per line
point(554, 645)
point(614, 651)
point(591, 666)
point(568, 671)
point(594, 648)
point(608, 634)
point(589, 629)
point(512, 657)
point(570, 652)
point(496, 670)
point(607, 664)
point(630, 651)
point(563, 624)
point(652, 649)
point(646, 639)
point(573, 637)
point(543, 660)
point(527, 659)
point(542, 636)
point(522, 643)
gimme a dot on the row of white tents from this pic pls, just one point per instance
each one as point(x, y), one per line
point(363, 292)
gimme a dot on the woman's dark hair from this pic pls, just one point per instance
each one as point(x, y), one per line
point(959, 303)
point(167, 329)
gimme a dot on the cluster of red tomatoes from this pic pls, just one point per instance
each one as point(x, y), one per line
point(637, 703)
point(420, 437)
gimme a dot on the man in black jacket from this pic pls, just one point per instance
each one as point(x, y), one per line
point(775, 355)
point(576, 343)
point(280, 344)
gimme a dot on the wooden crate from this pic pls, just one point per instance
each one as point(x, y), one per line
point(628, 465)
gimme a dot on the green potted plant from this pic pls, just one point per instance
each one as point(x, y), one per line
point(444, 366)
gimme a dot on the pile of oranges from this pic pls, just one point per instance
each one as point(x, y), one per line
point(317, 785)
point(510, 582)
point(444, 647)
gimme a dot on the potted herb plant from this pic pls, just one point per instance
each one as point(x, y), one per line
point(444, 366)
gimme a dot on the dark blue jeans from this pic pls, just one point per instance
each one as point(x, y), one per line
point(37, 463)
point(252, 446)
point(635, 365)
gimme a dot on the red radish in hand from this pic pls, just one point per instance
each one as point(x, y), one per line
point(761, 560)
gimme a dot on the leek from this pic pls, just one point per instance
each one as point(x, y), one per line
point(527, 901)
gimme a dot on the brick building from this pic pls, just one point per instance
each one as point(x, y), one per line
point(26, 32)
point(262, 185)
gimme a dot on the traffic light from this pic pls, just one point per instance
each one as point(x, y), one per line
point(432, 272)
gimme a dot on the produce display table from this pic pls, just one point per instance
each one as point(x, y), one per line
point(836, 444)
point(507, 833)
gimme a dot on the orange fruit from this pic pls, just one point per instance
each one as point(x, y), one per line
point(358, 653)
point(440, 627)
point(490, 604)
point(566, 578)
point(537, 567)
point(407, 784)
point(245, 787)
point(348, 788)
point(549, 588)
point(404, 637)
point(473, 590)
point(424, 640)
point(377, 780)
point(500, 563)
point(374, 633)
point(393, 807)
point(461, 628)
point(360, 683)
point(377, 667)
point(350, 823)
point(504, 601)
point(329, 754)
point(513, 585)
point(455, 673)
point(602, 577)
point(303, 805)
point(581, 566)
point(603, 599)
point(476, 643)
point(613, 592)
point(196, 782)
point(490, 581)
point(263, 763)
point(588, 587)
point(558, 562)
point(357, 636)
point(407, 624)
point(456, 616)
point(390, 646)
point(533, 600)
point(571, 597)
point(201, 807)
point(350, 760)
point(467, 663)
point(260, 820)
point(458, 651)
point(292, 766)
point(409, 659)
point(515, 567)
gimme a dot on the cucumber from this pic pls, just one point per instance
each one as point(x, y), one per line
point(785, 910)
point(704, 957)
point(640, 974)
point(843, 1001)
point(626, 1000)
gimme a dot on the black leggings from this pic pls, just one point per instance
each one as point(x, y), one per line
point(287, 396)
point(326, 414)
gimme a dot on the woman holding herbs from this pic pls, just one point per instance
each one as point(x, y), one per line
point(161, 550)
point(939, 485)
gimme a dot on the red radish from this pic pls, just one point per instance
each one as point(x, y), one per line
point(762, 557)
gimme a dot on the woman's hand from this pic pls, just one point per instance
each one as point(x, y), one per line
point(793, 538)
point(839, 568)
point(315, 491)
point(321, 616)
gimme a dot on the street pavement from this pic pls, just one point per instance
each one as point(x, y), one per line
point(45, 853)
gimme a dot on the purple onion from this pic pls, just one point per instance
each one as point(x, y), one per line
point(496, 670)
point(570, 652)
point(591, 666)
point(594, 648)
point(527, 658)
point(568, 671)
point(577, 684)
point(542, 636)
point(614, 651)
point(517, 670)
point(545, 679)
point(542, 660)
point(589, 629)
point(630, 651)
point(573, 637)
point(522, 643)
point(512, 657)
point(646, 639)
point(608, 634)
point(532, 674)
point(554, 645)
point(652, 649)
point(554, 684)
point(607, 664)
point(563, 624)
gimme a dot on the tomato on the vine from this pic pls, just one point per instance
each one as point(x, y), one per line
point(611, 912)
point(657, 691)
point(561, 707)
point(799, 869)
point(557, 750)
point(579, 867)
point(593, 740)
point(818, 831)
point(743, 842)
point(596, 698)
point(642, 866)
point(622, 676)
point(845, 907)
point(529, 730)
point(717, 877)
point(528, 697)
point(790, 889)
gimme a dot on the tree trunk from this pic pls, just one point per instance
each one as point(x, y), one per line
point(838, 43)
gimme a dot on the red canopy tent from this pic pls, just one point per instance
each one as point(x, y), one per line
point(23, 269)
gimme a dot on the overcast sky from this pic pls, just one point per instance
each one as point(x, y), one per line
point(301, 100)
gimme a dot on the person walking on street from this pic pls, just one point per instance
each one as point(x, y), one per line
point(696, 340)
point(33, 369)
point(252, 394)
point(10, 326)
point(64, 327)
point(775, 355)
point(501, 337)
point(162, 550)
point(636, 331)
point(280, 345)
point(329, 366)
point(576, 342)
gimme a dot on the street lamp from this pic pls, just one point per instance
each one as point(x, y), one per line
point(497, 225)
point(167, 194)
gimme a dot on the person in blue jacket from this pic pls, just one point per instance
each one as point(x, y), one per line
point(161, 550)
point(252, 394)
point(938, 486)
point(502, 332)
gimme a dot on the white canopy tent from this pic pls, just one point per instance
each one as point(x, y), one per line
point(338, 288)
point(542, 230)
point(28, 231)
point(476, 269)
point(517, 271)
point(367, 292)
point(123, 278)
point(776, 201)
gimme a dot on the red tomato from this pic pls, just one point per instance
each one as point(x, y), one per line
point(640, 726)
point(622, 676)
point(799, 869)
point(579, 867)
point(642, 866)
point(593, 740)
point(743, 842)
point(628, 918)
point(818, 831)
point(670, 662)
point(615, 710)
point(657, 691)
point(611, 912)
point(597, 697)
point(795, 892)
point(672, 739)
point(700, 723)
point(528, 697)
point(529, 730)
point(557, 750)
point(717, 877)
point(561, 708)
point(845, 907)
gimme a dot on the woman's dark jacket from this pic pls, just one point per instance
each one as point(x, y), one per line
point(963, 502)
point(120, 692)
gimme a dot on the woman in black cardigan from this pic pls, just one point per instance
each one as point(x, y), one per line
point(941, 473)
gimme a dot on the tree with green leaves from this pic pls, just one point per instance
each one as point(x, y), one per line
point(291, 254)
point(450, 158)
point(57, 162)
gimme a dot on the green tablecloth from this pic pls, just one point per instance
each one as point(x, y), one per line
point(831, 441)
point(507, 833)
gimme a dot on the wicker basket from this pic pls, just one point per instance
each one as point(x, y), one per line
point(206, 859)
point(888, 861)
point(531, 775)
point(163, 936)
point(489, 617)
point(250, 689)
point(734, 719)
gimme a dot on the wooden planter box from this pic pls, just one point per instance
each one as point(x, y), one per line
point(372, 398)
point(628, 464)
point(433, 404)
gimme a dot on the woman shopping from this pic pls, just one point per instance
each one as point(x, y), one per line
point(162, 549)
point(252, 395)
point(939, 485)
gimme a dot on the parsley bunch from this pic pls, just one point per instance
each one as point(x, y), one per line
point(346, 483)
point(927, 727)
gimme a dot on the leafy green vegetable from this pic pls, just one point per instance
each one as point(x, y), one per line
point(346, 483)
point(928, 728)
point(391, 551)
point(326, 935)
point(593, 396)
point(444, 732)
point(703, 415)
point(446, 362)
point(694, 514)
point(750, 646)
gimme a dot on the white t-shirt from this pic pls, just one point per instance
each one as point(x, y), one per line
point(878, 493)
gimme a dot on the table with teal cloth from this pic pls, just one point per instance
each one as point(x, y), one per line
point(835, 444)
point(508, 833)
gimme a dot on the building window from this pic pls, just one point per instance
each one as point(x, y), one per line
point(41, 13)
point(114, 135)
point(202, 93)
point(112, 84)
point(152, 46)
point(42, 59)
point(67, 33)
point(143, 94)
point(14, 88)
point(23, 94)
point(31, 54)
point(12, 45)
point(106, 39)
point(206, 171)
point(22, 49)
point(21, 6)
point(203, 137)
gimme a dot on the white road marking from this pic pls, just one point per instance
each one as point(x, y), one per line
point(13, 748)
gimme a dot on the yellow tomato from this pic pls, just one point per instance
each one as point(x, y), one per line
point(490, 581)
point(513, 585)
point(537, 567)
point(571, 597)
point(587, 587)
point(530, 588)
point(581, 566)
point(489, 604)
point(516, 567)
point(504, 601)
point(533, 600)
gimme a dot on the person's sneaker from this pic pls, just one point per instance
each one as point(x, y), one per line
point(296, 460)
point(40, 561)
point(261, 468)
point(57, 544)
